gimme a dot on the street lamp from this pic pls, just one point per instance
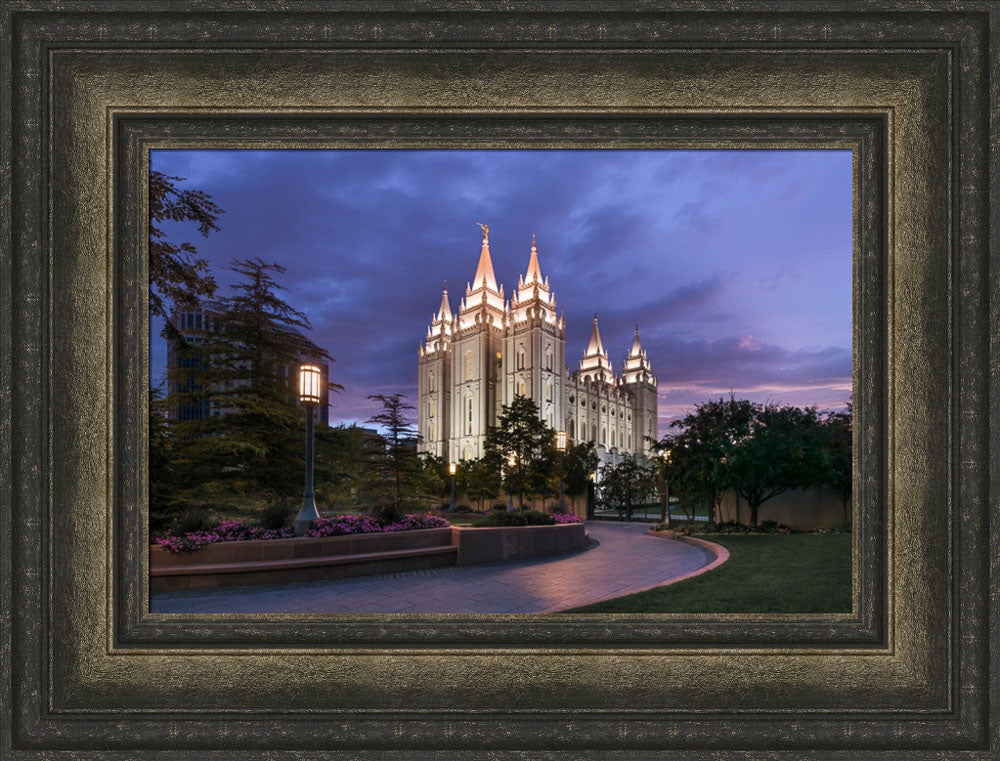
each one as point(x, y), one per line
point(309, 383)
point(665, 457)
point(561, 446)
point(511, 462)
point(452, 468)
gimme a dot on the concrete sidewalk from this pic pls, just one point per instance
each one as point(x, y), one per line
point(626, 560)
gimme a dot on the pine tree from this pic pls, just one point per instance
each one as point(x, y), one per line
point(396, 473)
point(251, 442)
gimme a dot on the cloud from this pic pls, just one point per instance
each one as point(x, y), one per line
point(693, 245)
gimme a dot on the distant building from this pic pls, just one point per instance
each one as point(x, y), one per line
point(191, 323)
point(472, 363)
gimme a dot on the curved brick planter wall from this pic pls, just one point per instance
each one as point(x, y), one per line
point(282, 561)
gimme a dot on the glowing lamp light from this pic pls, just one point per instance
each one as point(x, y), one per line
point(309, 380)
point(561, 441)
point(512, 460)
point(452, 468)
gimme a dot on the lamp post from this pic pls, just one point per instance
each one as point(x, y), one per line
point(511, 462)
point(561, 446)
point(309, 382)
point(452, 467)
point(665, 456)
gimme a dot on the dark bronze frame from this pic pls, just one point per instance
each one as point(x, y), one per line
point(94, 85)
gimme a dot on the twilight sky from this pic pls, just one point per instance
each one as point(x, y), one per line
point(736, 264)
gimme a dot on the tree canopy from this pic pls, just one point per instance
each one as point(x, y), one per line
point(524, 445)
point(757, 450)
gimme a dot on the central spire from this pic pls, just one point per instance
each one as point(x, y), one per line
point(595, 346)
point(484, 272)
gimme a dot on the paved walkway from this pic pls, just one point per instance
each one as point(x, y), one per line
point(626, 560)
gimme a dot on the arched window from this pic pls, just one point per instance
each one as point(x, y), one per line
point(468, 365)
point(522, 389)
point(571, 428)
point(468, 414)
point(548, 358)
point(467, 454)
point(630, 441)
point(522, 357)
point(548, 392)
point(430, 380)
point(593, 432)
point(548, 418)
point(604, 435)
point(430, 431)
point(432, 409)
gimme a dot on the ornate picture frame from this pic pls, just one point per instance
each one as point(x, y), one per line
point(94, 86)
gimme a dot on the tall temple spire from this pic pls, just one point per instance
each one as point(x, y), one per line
point(595, 346)
point(637, 366)
point(595, 359)
point(484, 271)
point(534, 273)
point(444, 311)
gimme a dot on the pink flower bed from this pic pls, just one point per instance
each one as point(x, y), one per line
point(341, 525)
point(565, 518)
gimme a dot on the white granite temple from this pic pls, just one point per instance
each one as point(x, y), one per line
point(473, 362)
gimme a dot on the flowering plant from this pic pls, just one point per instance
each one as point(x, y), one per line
point(340, 525)
point(565, 518)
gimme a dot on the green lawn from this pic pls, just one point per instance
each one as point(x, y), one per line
point(765, 573)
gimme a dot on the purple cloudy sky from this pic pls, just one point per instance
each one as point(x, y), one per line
point(736, 264)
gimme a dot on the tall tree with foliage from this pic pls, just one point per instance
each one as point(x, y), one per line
point(525, 446)
point(839, 445)
point(177, 277)
point(783, 449)
point(693, 453)
point(396, 471)
point(625, 483)
point(481, 479)
point(236, 364)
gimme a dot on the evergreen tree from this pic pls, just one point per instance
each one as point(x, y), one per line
point(579, 463)
point(234, 367)
point(396, 473)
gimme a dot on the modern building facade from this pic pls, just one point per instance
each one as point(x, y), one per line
point(493, 349)
point(193, 324)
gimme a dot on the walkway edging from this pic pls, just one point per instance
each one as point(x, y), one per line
point(721, 556)
point(720, 552)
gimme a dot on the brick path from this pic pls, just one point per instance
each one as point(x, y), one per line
point(626, 560)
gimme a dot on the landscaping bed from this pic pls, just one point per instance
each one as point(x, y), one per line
point(279, 560)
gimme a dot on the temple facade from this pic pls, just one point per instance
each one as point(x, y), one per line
point(474, 361)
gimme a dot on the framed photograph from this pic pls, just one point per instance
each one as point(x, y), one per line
point(103, 96)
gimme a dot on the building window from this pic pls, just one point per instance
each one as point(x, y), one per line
point(522, 389)
point(593, 432)
point(468, 415)
point(430, 381)
point(548, 418)
point(430, 430)
point(468, 366)
point(548, 358)
point(431, 406)
point(571, 429)
point(548, 392)
point(604, 435)
point(467, 454)
point(521, 357)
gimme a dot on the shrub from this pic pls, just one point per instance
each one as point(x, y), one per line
point(526, 518)
point(279, 513)
point(498, 507)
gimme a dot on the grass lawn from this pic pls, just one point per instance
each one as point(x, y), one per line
point(765, 573)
